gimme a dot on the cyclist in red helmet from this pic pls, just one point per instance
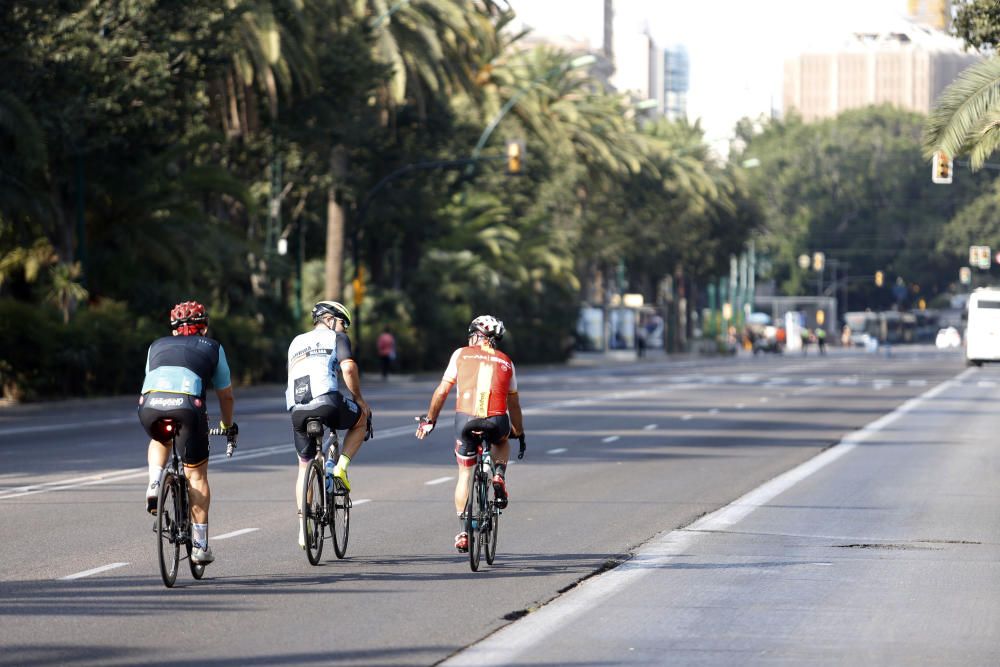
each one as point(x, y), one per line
point(179, 369)
point(487, 388)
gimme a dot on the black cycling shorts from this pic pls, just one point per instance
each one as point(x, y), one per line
point(189, 412)
point(465, 448)
point(333, 410)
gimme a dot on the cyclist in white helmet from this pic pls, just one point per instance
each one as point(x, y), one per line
point(316, 359)
point(487, 388)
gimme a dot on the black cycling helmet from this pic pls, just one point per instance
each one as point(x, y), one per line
point(334, 308)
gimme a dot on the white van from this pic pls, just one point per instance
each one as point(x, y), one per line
point(982, 330)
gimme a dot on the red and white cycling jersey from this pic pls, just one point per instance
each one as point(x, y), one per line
point(485, 378)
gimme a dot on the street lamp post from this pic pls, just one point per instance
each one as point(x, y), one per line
point(575, 63)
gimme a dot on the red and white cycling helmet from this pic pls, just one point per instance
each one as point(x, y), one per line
point(487, 326)
point(189, 318)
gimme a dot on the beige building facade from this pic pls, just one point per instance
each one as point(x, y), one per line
point(907, 68)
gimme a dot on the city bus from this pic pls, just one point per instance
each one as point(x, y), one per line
point(982, 328)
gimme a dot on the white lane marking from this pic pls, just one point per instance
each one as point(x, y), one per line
point(747, 379)
point(848, 381)
point(687, 417)
point(986, 383)
point(121, 475)
point(96, 570)
point(515, 639)
point(740, 406)
point(610, 438)
point(764, 399)
point(235, 533)
point(917, 383)
point(557, 450)
point(649, 427)
point(713, 411)
point(881, 384)
point(438, 480)
point(360, 501)
point(241, 455)
point(42, 428)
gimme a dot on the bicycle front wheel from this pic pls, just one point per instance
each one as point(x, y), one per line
point(313, 501)
point(492, 525)
point(183, 510)
point(168, 529)
point(340, 519)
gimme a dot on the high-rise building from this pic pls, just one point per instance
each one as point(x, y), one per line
point(907, 66)
point(933, 13)
point(676, 78)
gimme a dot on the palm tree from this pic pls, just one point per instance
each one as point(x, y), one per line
point(966, 119)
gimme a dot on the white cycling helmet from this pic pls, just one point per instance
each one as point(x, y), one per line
point(488, 327)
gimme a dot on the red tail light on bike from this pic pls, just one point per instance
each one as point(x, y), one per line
point(163, 430)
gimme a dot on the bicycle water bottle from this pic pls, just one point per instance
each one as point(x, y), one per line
point(329, 476)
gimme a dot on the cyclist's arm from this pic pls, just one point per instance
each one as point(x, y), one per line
point(514, 409)
point(226, 402)
point(438, 399)
point(352, 378)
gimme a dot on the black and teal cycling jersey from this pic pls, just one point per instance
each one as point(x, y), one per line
point(186, 365)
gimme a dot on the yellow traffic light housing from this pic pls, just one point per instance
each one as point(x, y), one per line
point(515, 154)
point(879, 279)
point(941, 168)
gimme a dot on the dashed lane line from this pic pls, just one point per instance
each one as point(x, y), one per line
point(650, 427)
point(438, 480)
point(610, 438)
point(557, 450)
point(96, 570)
point(235, 533)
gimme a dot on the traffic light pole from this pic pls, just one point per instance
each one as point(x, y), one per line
point(363, 213)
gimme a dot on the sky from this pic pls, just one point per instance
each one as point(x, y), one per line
point(736, 47)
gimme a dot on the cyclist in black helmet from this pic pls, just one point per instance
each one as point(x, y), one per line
point(316, 359)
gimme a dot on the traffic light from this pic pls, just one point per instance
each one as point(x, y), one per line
point(879, 279)
point(941, 168)
point(515, 152)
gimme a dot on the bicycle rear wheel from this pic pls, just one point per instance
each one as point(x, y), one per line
point(340, 519)
point(474, 519)
point(167, 529)
point(313, 500)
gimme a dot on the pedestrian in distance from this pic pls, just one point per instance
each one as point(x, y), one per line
point(179, 368)
point(317, 360)
point(487, 389)
point(821, 339)
point(640, 341)
point(386, 345)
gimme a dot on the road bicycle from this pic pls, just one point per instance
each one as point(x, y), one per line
point(327, 504)
point(173, 506)
point(482, 509)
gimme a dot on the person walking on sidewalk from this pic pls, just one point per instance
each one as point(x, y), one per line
point(386, 345)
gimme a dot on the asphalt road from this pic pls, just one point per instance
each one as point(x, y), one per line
point(622, 460)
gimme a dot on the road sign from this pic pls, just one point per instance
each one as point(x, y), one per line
point(965, 275)
point(979, 256)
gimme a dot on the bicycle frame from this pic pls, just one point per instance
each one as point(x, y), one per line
point(334, 505)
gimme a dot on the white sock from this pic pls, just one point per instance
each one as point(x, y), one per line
point(154, 473)
point(199, 536)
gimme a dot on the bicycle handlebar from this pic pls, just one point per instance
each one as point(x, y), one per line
point(232, 436)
